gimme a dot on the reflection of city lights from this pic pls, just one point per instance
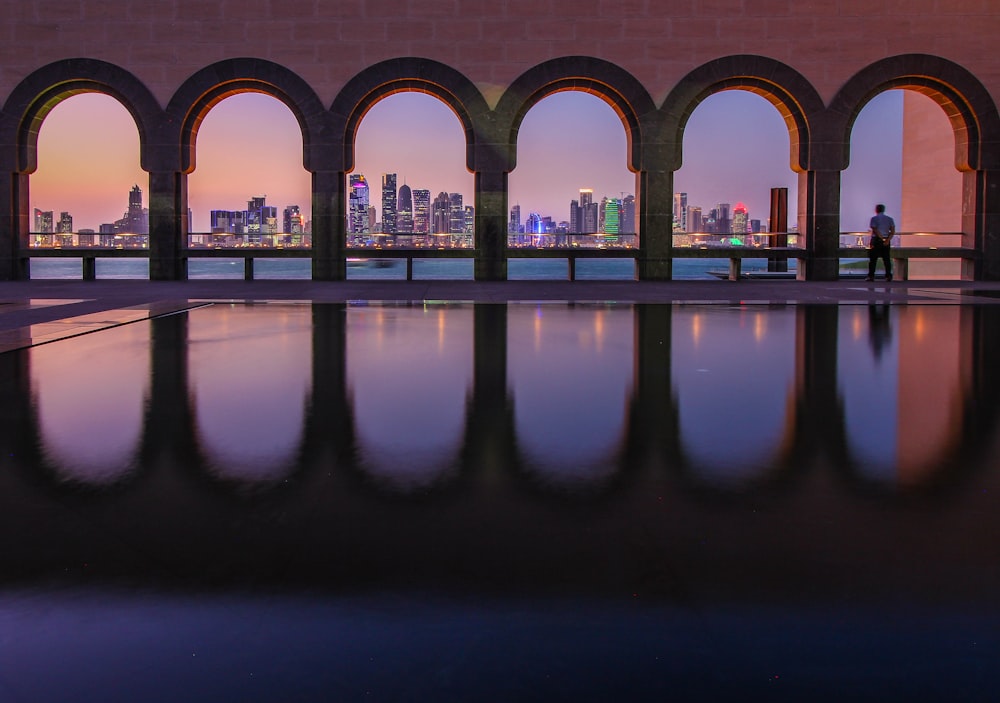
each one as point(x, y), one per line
point(919, 326)
point(599, 330)
point(696, 328)
point(538, 328)
point(759, 327)
point(856, 325)
point(440, 322)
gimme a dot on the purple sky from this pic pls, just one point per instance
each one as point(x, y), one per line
point(735, 149)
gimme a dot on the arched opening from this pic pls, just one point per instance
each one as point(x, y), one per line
point(249, 188)
point(89, 190)
point(572, 188)
point(409, 189)
point(735, 156)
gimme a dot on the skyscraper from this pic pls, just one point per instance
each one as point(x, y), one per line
point(292, 220)
point(589, 212)
point(136, 219)
point(741, 219)
point(470, 220)
point(358, 203)
point(43, 221)
point(694, 223)
point(574, 217)
point(627, 215)
point(456, 214)
point(441, 214)
point(421, 211)
point(514, 226)
point(404, 210)
point(680, 210)
point(612, 207)
point(65, 225)
point(389, 203)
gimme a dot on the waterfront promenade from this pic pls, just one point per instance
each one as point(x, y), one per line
point(25, 303)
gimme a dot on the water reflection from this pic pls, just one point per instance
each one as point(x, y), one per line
point(414, 396)
point(411, 374)
point(249, 376)
point(89, 398)
point(571, 369)
point(734, 376)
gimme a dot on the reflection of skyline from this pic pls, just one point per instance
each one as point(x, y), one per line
point(233, 160)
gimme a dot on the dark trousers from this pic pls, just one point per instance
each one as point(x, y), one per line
point(879, 250)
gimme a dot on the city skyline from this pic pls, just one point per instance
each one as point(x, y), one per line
point(735, 149)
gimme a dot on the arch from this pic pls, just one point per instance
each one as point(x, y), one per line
point(791, 94)
point(35, 97)
point(968, 105)
point(404, 75)
point(212, 84)
point(607, 81)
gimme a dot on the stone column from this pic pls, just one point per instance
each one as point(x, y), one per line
point(329, 226)
point(981, 224)
point(655, 222)
point(819, 222)
point(15, 225)
point(491, 226)
point(168, 226)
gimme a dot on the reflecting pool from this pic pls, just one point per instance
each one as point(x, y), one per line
point(281, 501)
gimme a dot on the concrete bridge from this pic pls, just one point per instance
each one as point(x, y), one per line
point(169, 63)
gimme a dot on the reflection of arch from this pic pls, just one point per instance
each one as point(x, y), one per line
point(791, 94)
point(612, 84)
point(963, 98)
point(407, 75)
point(206, 88)
point(35, 97)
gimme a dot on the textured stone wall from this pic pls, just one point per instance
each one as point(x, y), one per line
point(326, 42)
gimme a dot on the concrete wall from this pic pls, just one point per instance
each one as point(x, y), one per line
point(494, 41)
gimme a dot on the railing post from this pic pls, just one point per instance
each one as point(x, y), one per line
point(409, 267)
point(89, 268)
point(571, 267)
point(248, 268)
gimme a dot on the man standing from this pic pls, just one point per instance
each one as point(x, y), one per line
point(882, 228)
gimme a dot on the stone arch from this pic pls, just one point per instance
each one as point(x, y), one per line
point(965, 101)
point(792, 95)
point(35, 97)
point(401, 75)
point(212, 84)
point(607, 81)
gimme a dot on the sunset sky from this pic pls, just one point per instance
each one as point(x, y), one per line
point(735, 149)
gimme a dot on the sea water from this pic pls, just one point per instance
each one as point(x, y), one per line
point(423, 269)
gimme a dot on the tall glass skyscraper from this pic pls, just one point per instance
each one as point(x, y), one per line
point(404, 210)
point(389, 203)
point(358, 200)
point(421, 211)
